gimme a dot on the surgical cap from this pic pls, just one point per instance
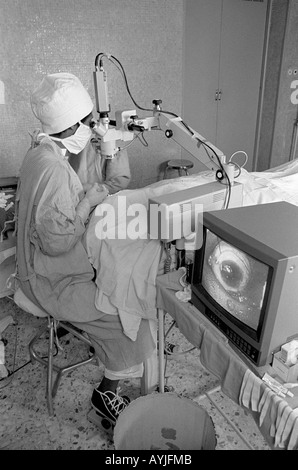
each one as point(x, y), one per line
point(60, 101)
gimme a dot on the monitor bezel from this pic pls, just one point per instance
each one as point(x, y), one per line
point(211, 303)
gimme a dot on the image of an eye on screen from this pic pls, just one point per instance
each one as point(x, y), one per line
point(235, 280)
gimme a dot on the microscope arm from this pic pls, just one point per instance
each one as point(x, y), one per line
point(128, 125)
point(175, 128)
point(191, 141)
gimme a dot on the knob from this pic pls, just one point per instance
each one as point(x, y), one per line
point(169, 133)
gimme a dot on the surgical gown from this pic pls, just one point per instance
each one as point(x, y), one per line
point(52, 264)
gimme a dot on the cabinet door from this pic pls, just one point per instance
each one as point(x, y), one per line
point(223, 52)
point(240, 70)
point(201, 65)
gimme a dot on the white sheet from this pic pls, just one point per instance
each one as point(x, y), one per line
point(127, 269)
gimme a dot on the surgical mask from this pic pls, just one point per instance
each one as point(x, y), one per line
point(77, 142)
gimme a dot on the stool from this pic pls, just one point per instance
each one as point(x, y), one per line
point(51, 326)
point(180, 165)
point(149, 379)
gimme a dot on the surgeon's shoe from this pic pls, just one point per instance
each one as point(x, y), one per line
point(108, 406)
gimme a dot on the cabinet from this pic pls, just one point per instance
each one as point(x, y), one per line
point(223, 57)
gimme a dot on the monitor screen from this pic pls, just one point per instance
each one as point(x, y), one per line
point(235, 280)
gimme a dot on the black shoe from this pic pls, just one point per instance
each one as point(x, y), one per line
point(61, 332)
point(166, 389)
point(108, 404)
point(170, 348)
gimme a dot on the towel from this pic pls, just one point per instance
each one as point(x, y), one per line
point(283, 419)
point(250, 391)
point(293, 442)
point(287, 427)
point(276, 414)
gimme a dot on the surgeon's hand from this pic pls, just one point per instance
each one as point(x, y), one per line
point(96, 194)
point(87, 186)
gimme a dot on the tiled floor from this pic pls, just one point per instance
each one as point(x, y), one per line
point(26, 425)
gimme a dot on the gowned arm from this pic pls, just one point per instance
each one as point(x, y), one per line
point(57, 232)
point(60, 217)
point(117, 172)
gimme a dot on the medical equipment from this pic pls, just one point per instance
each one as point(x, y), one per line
point(245, 277)
point(127, 125)
point(176, 215)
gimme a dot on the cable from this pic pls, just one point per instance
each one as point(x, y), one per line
point(235, 153)
point(117, 63)
point(119, 66)
point(129, 144)
point(239, 151)
point(237, 166)
point(224, 174)
point(220, 165)
point(228, 193)
point(179, 353)
point(142, 139)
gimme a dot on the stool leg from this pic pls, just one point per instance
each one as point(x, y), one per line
point(149, 381)
point(50, 368)
point(33, 355)
point(161, 347)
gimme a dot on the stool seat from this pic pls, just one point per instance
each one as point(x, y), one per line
point(179, 165)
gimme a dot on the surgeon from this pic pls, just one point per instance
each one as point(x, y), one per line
point(53, 208)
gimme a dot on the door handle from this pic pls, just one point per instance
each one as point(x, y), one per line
point(218, 94)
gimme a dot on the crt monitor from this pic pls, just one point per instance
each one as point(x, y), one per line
point(245, 276)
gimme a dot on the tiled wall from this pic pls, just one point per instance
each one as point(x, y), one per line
point(38, 37)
